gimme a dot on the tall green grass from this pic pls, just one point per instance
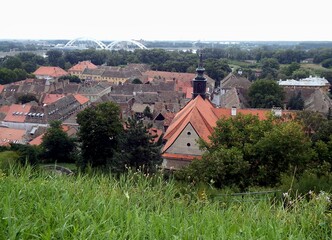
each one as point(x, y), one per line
point(35, 205)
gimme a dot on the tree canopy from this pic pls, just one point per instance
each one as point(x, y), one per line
point(245, 151)
point(99, 133)
point(138, 150)
point(56, 145)
point(265, 94)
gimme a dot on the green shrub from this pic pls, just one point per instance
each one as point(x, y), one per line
point(8, 159)
point(306, 183)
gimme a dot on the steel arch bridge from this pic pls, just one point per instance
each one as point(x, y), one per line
point(71, 43)
point(123, 44)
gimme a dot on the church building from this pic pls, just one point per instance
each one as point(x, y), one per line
point(195, 120)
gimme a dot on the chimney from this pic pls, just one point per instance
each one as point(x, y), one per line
point(233, 111)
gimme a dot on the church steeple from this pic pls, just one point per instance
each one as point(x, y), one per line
point(199, 82)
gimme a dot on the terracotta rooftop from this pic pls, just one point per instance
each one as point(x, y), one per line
point(199, 113)
point(79, 67)
point(81, 99)
point(51, 98)
point(1, 88)
point(10, 135)
point(202, 115)
point(37, 141)
point(155, 132)
point(50, 71)
point(17, 113)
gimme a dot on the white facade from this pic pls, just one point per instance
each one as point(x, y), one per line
point(305, 82)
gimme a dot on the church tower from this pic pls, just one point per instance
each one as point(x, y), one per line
point(199, 82)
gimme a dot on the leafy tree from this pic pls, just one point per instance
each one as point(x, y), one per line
point(147, 112)
point(99, 134)
point(7, 76)
point(29, 67)
point(71, 78)
point(55, 58)
point(316, 125)
point(12, 63)
point(265, 94)
point(288, 71)
point(223, 167)
point(296, 102)
point(27, 153)
point(282, 149)
point(300, 73)
point(56, 145)
point(26, 98)
point(270, 67)
point(245, 151)
point(327, 63)
point(138, 149)
point(21, 74)
point(216, 69)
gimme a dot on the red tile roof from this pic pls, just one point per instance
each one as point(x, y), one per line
point(226, 112)
point(50, 71)
point(1, 88)
point(4, 109)
point(182, 80)
point(51, 98)
point(168, 118)
point(37, 141)
point(17, 113)
point(155, 132)
point(202, 115)
point(9, 135)
point(189, 93)
point(81, 99)
point(199, 113)
point(79, 67)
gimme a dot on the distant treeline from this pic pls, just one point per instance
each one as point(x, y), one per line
point(217, 61)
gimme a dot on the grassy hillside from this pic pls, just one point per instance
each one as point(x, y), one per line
point(41, 206)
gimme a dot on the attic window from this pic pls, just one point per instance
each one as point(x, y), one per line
point(188, 144)
point(188, 133)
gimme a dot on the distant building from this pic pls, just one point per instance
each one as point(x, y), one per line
point(78, 69)
point(10, 135)
point(114, 75)
point(50, 73)
point(310, 82)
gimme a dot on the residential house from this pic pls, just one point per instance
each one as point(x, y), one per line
point(310, 82)
point(78, 69)
point(114, 75)
point(232, 92)
point(10, 135)
point(50, 73)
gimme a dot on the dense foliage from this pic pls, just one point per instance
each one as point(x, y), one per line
point(56, 145)
point(265, 94)
point(138, 149)
point(100, 132)
point(245, 151)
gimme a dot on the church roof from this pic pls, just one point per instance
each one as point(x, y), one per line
point(199, 113)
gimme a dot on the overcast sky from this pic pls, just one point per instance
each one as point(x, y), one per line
point(232, 20)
